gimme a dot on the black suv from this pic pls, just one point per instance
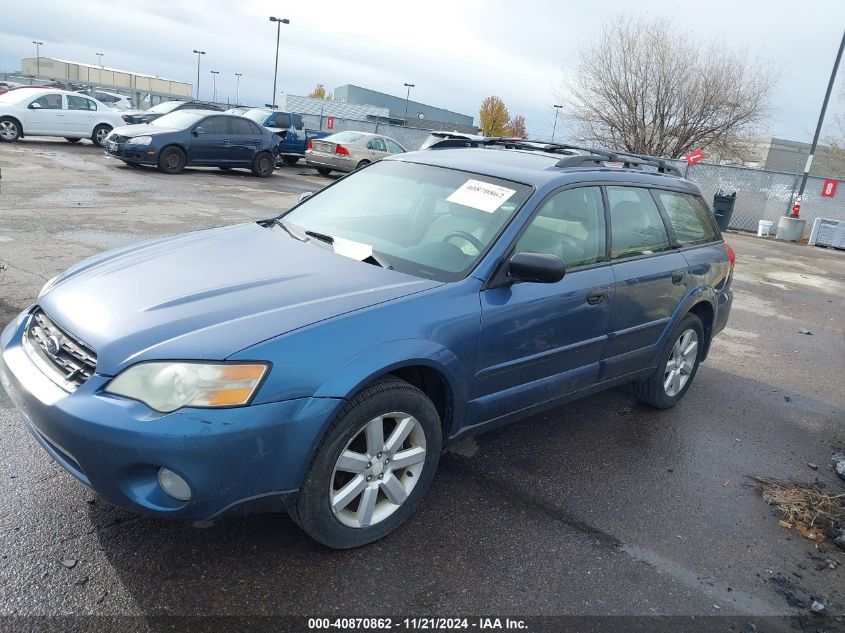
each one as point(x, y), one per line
point(145, 116)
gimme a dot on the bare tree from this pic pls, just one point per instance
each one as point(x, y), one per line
point(646, 87)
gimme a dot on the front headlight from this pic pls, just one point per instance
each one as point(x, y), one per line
point(168, 386)
point(47, 286)
point(140, 140)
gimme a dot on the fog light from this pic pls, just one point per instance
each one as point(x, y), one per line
point(173, 484)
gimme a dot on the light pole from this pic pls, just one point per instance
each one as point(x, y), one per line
point(100, 59)
point(557, 111)
point(198, 70)
point(214, 74)
point(37, 57)
point(279, 22)
point(797, 208)
point(407, 95)
point(238, 89)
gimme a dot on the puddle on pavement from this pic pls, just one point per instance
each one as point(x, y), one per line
point(102, 239)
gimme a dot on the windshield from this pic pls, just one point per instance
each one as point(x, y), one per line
point(164, 108)
point(426, 221)
point(179, 120)
point(258, 115)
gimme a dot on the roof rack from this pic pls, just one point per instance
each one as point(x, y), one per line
point(590, 154)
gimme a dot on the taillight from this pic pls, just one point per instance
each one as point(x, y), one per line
point(310, 144)
point(731, 255)
point(340, 150)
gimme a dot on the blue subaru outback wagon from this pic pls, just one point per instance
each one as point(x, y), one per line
point(319, 361)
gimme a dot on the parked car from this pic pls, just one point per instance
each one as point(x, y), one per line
point(348, 151)
point(50, 112)
point(320, 360)
point(237, 110)
point(112, 99)
point(5, 86)
point(289, 127)
point(437, 137)
point(197, 138)
point(132, 117)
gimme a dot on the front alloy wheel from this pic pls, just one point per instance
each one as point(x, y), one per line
point(374, 476)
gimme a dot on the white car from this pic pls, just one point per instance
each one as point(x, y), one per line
point(111, 99)
point(49, 112)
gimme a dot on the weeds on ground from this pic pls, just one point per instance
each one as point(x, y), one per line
point(815, 513)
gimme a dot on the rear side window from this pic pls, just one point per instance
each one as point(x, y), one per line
point(569, 225)
point(690, 218)
point(377, 144)
point(80, 103)
point(242, 126)
point(636, 226)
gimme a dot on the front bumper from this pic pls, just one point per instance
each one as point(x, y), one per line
point(143, 154)
point(229, 457)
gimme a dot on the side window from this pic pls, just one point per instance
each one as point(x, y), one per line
point(80, 103)
point(281, 121)
point(636, 227)
point(242, 126)
point(49, 102)
point(215, 125)
point(377, 144)
point(690, 218)
point(570, 225)
point(393, 147)
point(297, 122)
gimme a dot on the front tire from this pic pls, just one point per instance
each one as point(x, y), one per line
point(677, 367)
point(100, 134)
point(171, 160)
point(10, 130)
point(263, 165)
point(372, 468)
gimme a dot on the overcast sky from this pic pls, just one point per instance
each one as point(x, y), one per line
point(456, 51)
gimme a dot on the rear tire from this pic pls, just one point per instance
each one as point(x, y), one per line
point(262, 165)
point(72, 140)
point(392, 405)
point(10, 130)
point(171, 160)
point(100, 134)
point(363, 163)
point(324, 171)
point(290, 161)
point(677, 366)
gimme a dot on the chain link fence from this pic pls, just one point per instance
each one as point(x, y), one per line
point(763, 195)
point(410, 138)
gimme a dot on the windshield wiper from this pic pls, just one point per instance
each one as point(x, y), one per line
point(328, 239)
point(281, 223)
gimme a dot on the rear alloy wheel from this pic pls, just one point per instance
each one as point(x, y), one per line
point(373, 466)
point(72, 140)
point(677, 366)
point(171, 160)
point(362, 164)
point(10, 130)
point(324, 171)
point(290, 161)
point(263, 165)
point(100, 134)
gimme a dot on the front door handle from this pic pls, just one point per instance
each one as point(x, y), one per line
point(597, 295)
point(678, 276)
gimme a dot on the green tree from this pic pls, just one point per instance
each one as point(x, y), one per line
point(494, 117)
point(318, 93)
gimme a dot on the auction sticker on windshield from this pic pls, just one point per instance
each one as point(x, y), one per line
point(481, 195)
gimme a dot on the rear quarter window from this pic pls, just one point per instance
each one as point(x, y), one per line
point(689, 217)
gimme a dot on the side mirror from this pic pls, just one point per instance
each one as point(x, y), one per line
point(305, 195)
point(35, 106)
point(536, 267)
point(199, 130)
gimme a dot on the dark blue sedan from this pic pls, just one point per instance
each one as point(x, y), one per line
point(320, 360)
point(196, 138)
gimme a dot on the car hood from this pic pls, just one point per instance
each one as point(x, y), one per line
point(142, 129)
point(210, 294)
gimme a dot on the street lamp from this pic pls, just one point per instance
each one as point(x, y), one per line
point(238, 89)
point(214, 74)
point(37, 57)
point(557, 111)
point(279, 22)
point(407, 95)
point(198, 70)
point(100, 59)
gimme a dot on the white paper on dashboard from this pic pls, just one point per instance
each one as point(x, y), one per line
point(352, 249)
point(481, 195)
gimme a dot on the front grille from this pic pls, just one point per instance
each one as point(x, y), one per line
point(66, 360)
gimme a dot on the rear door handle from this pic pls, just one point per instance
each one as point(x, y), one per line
point(678, 276)
point(597, 295)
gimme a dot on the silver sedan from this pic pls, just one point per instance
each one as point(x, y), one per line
point(348, 151)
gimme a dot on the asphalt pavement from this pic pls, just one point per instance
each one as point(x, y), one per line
point(602, 507)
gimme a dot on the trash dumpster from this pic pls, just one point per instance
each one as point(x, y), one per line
point(723, 208)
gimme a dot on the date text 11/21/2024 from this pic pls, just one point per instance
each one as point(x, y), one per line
point(415, 624)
